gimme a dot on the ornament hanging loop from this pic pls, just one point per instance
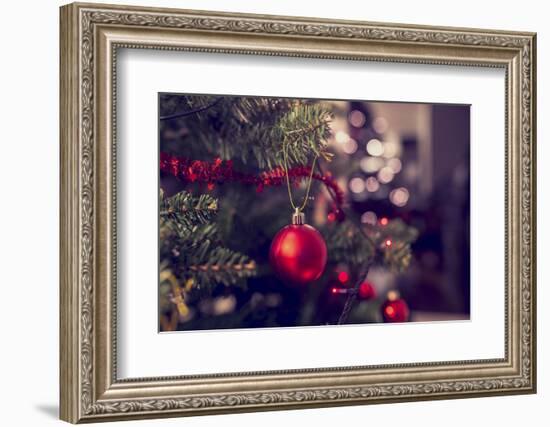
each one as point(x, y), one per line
point(297, 209)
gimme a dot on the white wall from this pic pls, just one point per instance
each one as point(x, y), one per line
point(29, 169)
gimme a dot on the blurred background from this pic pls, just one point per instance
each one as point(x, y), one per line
point(405, 161)
point(412, 161)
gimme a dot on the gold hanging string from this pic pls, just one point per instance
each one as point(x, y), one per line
point(300, 208)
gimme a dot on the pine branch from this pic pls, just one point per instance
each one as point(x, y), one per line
point(348, 246)
point(191, 244)
point(196, 254)
point(190, 112)
point(219, 265)
point(224, 266)
point(398, 255)
point(304, 130)
point(187, 209)
point(251, 130)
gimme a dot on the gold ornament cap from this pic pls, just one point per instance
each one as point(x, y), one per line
point(298, 218)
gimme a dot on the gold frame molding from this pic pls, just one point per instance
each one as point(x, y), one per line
point(90, 37)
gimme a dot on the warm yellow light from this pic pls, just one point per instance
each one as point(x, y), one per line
point(375, 147)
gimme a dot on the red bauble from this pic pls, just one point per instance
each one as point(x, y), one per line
point(394, 310)
point(366, 291)
point(298, 253)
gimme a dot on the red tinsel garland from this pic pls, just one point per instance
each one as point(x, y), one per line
point(220, 171)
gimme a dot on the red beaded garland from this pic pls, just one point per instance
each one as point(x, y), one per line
point(220, 171)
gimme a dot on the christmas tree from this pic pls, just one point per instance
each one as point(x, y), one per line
point(231, 168)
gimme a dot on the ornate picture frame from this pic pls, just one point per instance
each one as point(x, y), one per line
point(90, 37)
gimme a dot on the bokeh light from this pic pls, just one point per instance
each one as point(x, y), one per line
point(372, 184)
point(395, 165)
point(375, 147)
point(350, 146)
point(343, 276)
point(357, 118)
point(371, 164)
point(399, 196)
point(357, 185)
point(385, 175)
point(391, 149)
point(369, 217)
point(341, 137)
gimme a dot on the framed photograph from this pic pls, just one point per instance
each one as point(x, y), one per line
point(265, 212)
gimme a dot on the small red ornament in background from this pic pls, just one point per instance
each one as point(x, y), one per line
point(366, 291)
point(384, 221)
point(343, 276)
point(395, 309)
point(298, 253)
